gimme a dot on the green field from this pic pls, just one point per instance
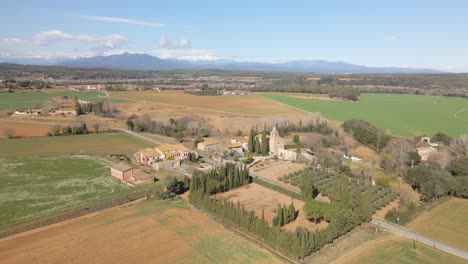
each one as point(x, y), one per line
point(100, 144)
point(12, 101)
point(398, 114)
point(446, 222)
point(35, 187)
point(401, 251)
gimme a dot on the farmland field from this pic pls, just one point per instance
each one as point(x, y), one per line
point(395, 249)
point(258, 198)
point(401, 115)
point(11, 101)
point(23, 129)
point(149, 232)
point(100, 144)
point(254, 105)
point(34, 187)
point(445, 222)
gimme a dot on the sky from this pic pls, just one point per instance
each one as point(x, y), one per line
point(411, 33)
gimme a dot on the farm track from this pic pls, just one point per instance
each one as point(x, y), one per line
point(401, 231)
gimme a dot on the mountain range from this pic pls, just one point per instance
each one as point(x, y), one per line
point(127, 61)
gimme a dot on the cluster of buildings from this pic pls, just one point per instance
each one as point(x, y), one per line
point(168, 156)
point(240, 144)
point(64, 106)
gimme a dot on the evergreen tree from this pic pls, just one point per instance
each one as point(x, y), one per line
point(257, 148)
point(264, 143)
point(251, 143)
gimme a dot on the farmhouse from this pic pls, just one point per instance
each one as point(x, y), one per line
point(277, 149)
point(235, 147)
point(244, 141)
point(28, 112)
point(211, 145)
point(425, 153)
point(130, 175)
point(149, 156)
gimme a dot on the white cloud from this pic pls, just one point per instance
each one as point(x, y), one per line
point(189, 54)
point(178, 44)
point(103, 43)
point(392, 37)
point(123, 20)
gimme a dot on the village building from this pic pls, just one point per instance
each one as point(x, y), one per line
point(130, 175)
point(277, 149)
point(235, 147)
point(425, 153)
point(33, 112)
point(244, 141)
point(211, 145)
point(150, 156)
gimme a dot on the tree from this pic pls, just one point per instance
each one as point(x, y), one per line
point(296, 139)
point(96, 128)
point(9, 133)
point(251, 142)
point(413, 158)
point(398, 150)
point(257, 148)
point(179, 136)
point(459, 147)
point(264, 146)
point(459, 167)
point(55, 130)
point(130, 124)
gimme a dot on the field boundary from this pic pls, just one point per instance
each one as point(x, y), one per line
point(277, 188)
point(79, 212)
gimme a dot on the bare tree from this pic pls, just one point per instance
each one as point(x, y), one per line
point(9, 133)
point(441, 158)
point(398, 150)
point(459, 147)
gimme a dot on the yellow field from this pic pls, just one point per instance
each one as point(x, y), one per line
point(149, 232)
point(446, 222)
point(226, 113)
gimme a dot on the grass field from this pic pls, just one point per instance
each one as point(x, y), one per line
point(33, 187)
point(100, 144)
point(394, 249)
point(401, 115)
point(11, 101)
point(149, 232)
point(446, 222)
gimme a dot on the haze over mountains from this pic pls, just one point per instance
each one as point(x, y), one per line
point(129, 61)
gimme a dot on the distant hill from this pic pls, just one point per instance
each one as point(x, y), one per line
point(129, 61)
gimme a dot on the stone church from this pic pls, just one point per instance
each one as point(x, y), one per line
point(277, 147)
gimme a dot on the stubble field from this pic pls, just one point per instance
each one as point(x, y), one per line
point(149, 232)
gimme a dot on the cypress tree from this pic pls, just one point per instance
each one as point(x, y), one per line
point(251, 143)
point(257, 148)
point(264, 145)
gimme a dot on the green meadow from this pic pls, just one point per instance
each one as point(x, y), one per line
point(398, 114)
point(12, 101)
point(36, 187)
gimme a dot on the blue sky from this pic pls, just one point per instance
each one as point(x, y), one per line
point(430, 34)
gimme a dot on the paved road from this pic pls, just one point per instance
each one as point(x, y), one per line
point(399, 230)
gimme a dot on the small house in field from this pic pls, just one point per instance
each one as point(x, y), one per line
point(425, 153)
point(121, 171)
point(130, 175)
